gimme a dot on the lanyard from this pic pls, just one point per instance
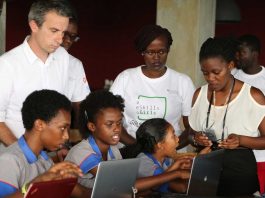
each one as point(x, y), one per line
point(210, 104)
point(95, 148)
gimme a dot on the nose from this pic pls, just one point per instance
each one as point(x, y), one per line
point(66, 135)
point(117, 128)
point(177, 139)
point(59, 38)
point(156, 56)
point(210, 77)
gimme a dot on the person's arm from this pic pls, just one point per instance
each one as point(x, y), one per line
point(234, 140)
point(126, 138)
point(184, 138)
point(80, 191)
point(17, 194)
point(6, 135)
point(75, 106)
point(147, 183)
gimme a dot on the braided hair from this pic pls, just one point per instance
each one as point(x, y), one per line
point(149, 33)
point(224, 47)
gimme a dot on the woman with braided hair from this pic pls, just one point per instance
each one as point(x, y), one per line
point(228, 114)
point(153, 90)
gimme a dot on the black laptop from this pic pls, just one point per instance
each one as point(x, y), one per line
point(205, 173)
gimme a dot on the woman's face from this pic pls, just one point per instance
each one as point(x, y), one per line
point(171, 142)
point(107, 128)
point(155, 55)
point(55, 132)
point(216, 72)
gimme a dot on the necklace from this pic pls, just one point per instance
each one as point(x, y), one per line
point(213, 100)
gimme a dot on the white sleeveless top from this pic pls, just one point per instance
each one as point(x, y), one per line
point(243, 117)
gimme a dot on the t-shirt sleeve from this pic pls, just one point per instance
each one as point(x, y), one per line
point(84, 158)
point(188, 91)
point(9, 175)
point(146, 167)
point(118, 85)
point(81, 88)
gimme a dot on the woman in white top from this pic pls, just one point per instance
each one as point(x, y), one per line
point(229, 114)
point(153, 90)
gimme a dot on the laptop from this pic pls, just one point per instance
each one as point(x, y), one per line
point(115, 178)
point(205, 174)
point(51, 189)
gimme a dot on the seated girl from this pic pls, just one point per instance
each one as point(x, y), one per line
point(156, 146)
point(100, 120)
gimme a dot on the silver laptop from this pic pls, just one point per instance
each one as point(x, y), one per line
point(205, 174)
point(115, 178)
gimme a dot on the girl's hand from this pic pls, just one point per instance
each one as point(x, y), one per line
point(183, 162)
point(184, 174)
point(232, 142)
point(201, 139)
point(60, 170)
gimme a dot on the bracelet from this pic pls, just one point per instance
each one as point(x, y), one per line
point(24, 188)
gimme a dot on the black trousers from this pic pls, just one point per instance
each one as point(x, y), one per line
point(239, 174)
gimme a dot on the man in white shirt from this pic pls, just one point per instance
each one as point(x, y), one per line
point(250, 70)
point(38, 63)
point(252, 73)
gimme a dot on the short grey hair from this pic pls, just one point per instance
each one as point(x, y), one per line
point(40, 8)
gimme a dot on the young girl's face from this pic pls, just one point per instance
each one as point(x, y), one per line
point(107, 127)
point(170, 142)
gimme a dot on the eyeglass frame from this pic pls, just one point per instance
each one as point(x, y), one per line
point(73, 38)
point(152, 53)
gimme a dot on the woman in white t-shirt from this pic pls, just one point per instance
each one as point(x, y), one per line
point(153, 90)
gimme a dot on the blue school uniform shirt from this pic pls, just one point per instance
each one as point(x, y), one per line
point(87, 156)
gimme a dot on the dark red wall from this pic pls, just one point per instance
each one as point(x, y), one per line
point(252, 22)
point(107, 29)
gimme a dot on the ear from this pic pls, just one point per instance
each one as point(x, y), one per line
point(160, 145)
point(33, 26)
point(91, 126)
point(39, 125)
point(231, 65)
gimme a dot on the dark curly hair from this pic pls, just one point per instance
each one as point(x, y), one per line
point(44, 105)
point(149, 33)
point(149, 133)
point(223, 47)
point(251, 41)
point(93, 104)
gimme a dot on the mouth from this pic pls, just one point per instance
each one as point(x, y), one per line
point(116, 137)
point(156, 63)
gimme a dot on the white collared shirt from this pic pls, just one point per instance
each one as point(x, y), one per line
point(22, 72)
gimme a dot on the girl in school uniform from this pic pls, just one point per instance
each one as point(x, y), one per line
point(100, 119)
point(156, 147)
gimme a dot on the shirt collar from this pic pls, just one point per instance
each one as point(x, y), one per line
point(30, 156)
point(31, 56)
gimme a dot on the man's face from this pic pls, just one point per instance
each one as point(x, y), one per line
point(49, 36)
point(246, 57)
point(70, 36)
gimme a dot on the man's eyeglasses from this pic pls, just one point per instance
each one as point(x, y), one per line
point(153, 52)
point(72, 37)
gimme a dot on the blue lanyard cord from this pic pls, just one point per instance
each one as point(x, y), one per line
point(95, 148)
